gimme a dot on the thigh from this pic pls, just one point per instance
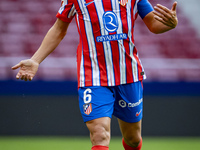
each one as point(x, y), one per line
point(99, 131)
point(96, 102)
point(129, 102)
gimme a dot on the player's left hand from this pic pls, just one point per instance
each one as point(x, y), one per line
point(165, 15)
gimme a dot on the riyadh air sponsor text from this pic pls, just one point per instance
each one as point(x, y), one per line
point(111, 37)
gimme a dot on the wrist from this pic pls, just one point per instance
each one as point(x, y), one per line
point(36, 61)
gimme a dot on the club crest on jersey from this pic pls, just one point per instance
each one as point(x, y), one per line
point(87, 108)
point(123, 2)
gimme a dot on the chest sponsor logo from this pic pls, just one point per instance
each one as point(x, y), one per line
point(111, 37)
point(110, 21)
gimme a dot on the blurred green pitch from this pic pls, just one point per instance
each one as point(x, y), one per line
point(81, 143)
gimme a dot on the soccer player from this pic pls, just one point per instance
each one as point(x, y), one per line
point(110, 74)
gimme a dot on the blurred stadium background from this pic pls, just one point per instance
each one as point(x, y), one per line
point(48, 106)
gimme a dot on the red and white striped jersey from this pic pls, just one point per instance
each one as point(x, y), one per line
point(106, 54)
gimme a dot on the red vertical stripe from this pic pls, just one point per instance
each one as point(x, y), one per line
point(114, 47)
point(115, 58)
point(132, 19)
point(99, 45)
point(140, 77)
point(79, 54)
point(86, 54)
point(83, 47)
point(129, 71)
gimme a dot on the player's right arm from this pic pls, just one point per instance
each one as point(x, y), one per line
point(54, 36)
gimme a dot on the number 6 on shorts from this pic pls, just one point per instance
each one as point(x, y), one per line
point(87, 96)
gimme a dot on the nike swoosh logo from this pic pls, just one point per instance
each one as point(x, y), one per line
point(137, 114)
point(86, 4)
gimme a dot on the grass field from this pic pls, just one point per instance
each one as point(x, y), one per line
point(81, 143)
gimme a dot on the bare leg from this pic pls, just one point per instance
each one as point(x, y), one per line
point(99, 131)
point(131, 132)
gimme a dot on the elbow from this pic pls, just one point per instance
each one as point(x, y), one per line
point(155, 30)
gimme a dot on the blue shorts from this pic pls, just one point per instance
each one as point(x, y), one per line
point(123, 101)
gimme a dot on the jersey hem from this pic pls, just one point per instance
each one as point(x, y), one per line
point(140, 79)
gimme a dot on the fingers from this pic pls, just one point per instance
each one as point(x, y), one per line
point(164, 11)
point(25, 72)
point(18, 75)
point(27, 77)
point(28, 69)
point(174, 6)
point(16, 66)
point(160, 17)
point(166, 16)
point(24, 76)
point(161, 20)
point(161, 7)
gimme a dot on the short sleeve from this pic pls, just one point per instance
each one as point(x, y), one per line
point(144, 7)
point(66, 11)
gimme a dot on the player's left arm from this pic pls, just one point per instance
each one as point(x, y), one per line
point(161, 19)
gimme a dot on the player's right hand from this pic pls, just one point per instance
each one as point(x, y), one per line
point(28, 69)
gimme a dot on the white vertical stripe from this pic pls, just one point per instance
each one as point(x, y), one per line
point(106, 45)
point(77, 20)
point(135, 10)
point(82, 77)
point(136, 65)
point(72, 11)
point(144, 76)
point(122, 51)
point(63, 6)
point(136, 76)
point(131, 44)
point(91, 44)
